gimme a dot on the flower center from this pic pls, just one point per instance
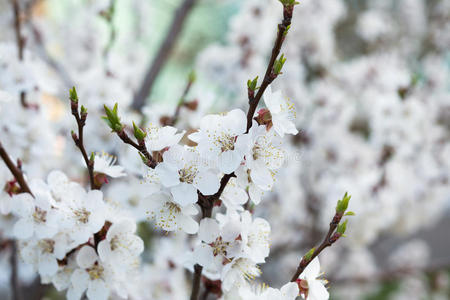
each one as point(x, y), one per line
point(172, 207)
point(226, 142)
point(115, 243)
point(95, 272)
point(39, 215)
point(82, 215)
point(219, 247)
point(188, 174)
point(47, 246)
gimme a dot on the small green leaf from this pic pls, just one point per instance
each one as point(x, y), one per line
point(349, 213)
point(73, 94)
point(92, 157)
point(342, 227)
point(139, 134)
point(83, 110)
point(279, 63)
point(342, 204)
point(112, 118)
point(144, 159)
point(309, 254)
point(251, 84)
point(289, 2)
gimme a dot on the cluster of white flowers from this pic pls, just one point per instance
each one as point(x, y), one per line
point(74, 240)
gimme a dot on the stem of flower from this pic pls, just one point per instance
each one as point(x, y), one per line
point(141, 147)
point(329, 240)
point(15, 170)
point(79, 142)
point(270, 75)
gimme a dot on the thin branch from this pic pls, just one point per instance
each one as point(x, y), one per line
point(163, 53)
point(15, 170)
point(196, 282)
point(174, 119)
point(205, 294)
point(20, 40)
point(43, 53)
point(17, 27)
point(270, 75)
point(14, 282)
point(329, 240)
point(140, 146)
point(79, 141)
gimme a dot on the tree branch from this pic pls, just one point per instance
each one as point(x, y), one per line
point(329, 240)
point(15, 170)
point(174, 119)
point(163, 54)
point(14, 282)
point(20, 40)
point(140, 146)
point(270, 74)
point(78, 140)
point(207, 202)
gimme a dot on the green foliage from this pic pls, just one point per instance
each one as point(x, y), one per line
point(341, 228)
point(309, 254)
point(342, 204)
point(139, 134)
point(251, 84)
point(112, 118)
point(73, 95)
point(289, 2)
point(279, 63)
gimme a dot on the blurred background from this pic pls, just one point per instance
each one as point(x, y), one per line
point(371, 84)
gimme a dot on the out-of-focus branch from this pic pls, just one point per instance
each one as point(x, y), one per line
point(78, 139)
point(43, 53)
point(20, 40)
point(163, 54)
point(14, 278)
point(17, 27)
point(171, 121)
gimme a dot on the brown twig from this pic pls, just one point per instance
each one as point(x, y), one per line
point(163, 53)
point(15, 170)
point(14, 282)
point(196, 282)
point(270, 75)
point(329, 240)
point(78, 139)
point(17, 27)
point(140, 146)
point(20, 41)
